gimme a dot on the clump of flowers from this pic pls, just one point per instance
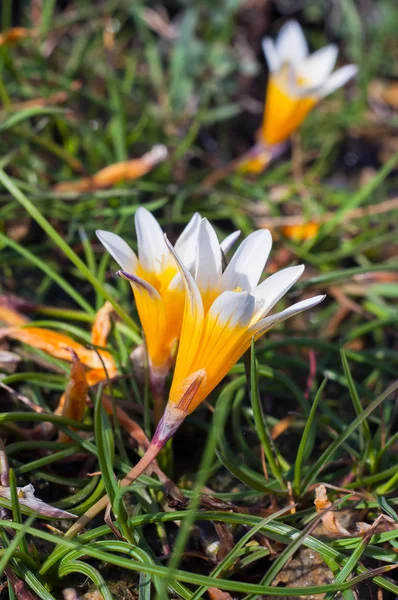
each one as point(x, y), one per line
point(219, 312)
point(157, 285)
point(224, 310)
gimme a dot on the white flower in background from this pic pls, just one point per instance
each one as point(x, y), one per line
point(297, 81)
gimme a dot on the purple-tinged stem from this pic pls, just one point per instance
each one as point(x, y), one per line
point(167, 426)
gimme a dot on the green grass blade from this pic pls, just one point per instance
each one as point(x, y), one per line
point(326, 456)
point(303, 446)
point(66, 249)
point(261, 427)
point(365, 429)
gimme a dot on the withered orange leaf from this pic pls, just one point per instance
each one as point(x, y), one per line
point(330, 520)
point(12, 317)
point(102, 325)
point(73, 401)
point(14, 35)
point(113, 174)
point(58, 345)
point(216, 594)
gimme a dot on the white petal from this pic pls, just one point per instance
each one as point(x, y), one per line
point(270, 291)
point(338, 79)
point(234, 309)
point(119, 249)
point(185, 246)
point(151, 245)
point(209, 258)
point(247, 264)
point(193, 302)
point(265, 324)
point(229, 241)
point(317, 67)
point(177, 283)
point(291, 45)
point(271, 55)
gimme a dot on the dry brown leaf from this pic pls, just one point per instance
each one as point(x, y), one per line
point(113, 174)
point(329, 519)
point(59, 97)
point(281, 426)
point(216, 594)
point(384, 92)
point(9, 316)
point(21, 591)
point(15, 35)
point(102, 325)
point(58, 345)
point(74, 400)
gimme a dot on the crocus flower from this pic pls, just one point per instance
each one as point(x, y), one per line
point(297, 81)
point(157, 285)
point(224, 310)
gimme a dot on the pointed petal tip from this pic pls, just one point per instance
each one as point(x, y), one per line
point(118, 249)
point(229, 241)
point(271, 55)
point(291, 44)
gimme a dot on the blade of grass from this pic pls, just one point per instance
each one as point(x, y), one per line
point(232, 556)
point(66, 249)
point(194, 578)
point(364, 427)
point(261, 426)
point(325, 457)
point(80, 567)
point(105, 445)
point(49, 271)
point(309, 425)
point(16, 509)
point(16, 541)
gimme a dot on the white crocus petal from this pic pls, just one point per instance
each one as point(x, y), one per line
point(232, 309)
point(209, 258)
point(119, 249)
point(248, 262)
point(193, 302)
point(151, 245)
point(271, 55)
point(317, 67)
point(270, 291)
point(291, 44)
point(265, 324)
point(185, 246)
point(229, 241)
point(177, 283)
point(338, 79)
